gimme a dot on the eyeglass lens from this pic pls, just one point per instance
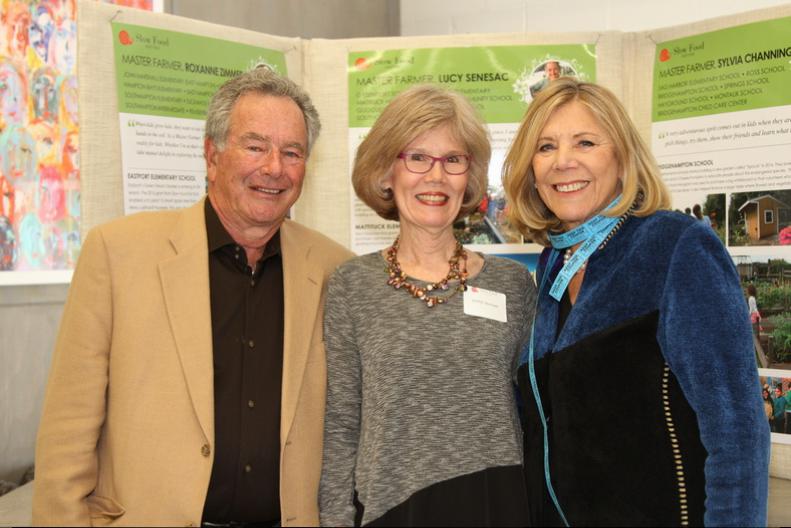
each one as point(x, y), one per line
point(420, 163)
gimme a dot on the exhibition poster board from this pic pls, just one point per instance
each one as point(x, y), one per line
point(721, 134)
point(624, 62)
point(164, 82)
point(500, 81)
point(722, 123)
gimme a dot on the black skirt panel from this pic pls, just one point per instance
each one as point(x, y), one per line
point(624, 442)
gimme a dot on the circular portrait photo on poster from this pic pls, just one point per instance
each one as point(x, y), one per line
point(548, 71)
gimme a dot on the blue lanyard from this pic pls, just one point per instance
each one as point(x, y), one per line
point(534, 386)
point(593, 232)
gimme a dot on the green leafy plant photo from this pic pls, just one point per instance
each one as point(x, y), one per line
point(782, 336)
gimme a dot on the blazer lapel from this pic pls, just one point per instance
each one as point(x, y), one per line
point(302, 284)
point(185, 285)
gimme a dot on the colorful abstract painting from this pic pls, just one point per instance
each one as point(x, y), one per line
point(39, 158)
point(139, 4)
point(39, 127)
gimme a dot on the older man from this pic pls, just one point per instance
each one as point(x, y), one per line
point(188, 379)
point(552, 72)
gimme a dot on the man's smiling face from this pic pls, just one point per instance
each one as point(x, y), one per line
point(257, 176)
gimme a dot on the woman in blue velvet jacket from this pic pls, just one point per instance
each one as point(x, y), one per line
point(642, 399)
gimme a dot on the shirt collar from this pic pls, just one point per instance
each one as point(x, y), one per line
point(219, 237)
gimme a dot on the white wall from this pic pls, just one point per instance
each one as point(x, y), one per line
point(438, 17)
point(29, 317)
point(297, 18)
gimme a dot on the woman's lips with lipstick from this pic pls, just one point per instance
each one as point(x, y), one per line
point(432, 198)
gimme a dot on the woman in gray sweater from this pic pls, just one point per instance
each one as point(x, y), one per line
point(422, 338)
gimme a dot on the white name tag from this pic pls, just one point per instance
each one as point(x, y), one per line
point(485, 303)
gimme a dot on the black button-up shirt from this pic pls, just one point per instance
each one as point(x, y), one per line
point(247, 337)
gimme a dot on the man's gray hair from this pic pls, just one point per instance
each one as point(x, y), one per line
point(261, 80)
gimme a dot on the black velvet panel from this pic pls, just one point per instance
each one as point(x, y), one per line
point(610, 454)
point(492, 497)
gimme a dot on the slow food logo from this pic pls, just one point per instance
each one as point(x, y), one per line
point(124, 38)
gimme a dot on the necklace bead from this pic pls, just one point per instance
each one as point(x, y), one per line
point(398, 279)
point(567, 256)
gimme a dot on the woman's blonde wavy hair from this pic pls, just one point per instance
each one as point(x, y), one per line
point(639, 172)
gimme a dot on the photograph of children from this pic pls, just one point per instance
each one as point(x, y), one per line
point(776, 394)
point(706, 208)
point(766, 283)
point(761, 218)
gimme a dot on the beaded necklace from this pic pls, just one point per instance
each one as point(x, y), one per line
point(398, 279)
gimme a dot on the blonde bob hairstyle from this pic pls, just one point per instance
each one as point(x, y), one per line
point(639, 172)
point(409, 115)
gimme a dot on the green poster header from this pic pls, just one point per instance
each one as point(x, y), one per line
point(165, 73)
point(734, 69)
point(500, 81)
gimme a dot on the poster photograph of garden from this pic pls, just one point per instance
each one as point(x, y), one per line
point(766, 282)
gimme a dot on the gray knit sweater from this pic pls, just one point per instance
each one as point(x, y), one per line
point(416, 395)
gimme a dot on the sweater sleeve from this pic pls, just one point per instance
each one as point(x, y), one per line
point(528, 311)
point(705, 336)
point(342, 418)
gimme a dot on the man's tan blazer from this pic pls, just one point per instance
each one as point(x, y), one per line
point(127, 431)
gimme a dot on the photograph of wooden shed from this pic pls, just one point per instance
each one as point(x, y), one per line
point(762, 216)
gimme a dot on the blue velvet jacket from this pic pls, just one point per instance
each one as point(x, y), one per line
point(651, 388)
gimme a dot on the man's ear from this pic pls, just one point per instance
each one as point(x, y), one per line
point(210, 153)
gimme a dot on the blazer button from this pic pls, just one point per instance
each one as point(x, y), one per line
point(205, 450)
